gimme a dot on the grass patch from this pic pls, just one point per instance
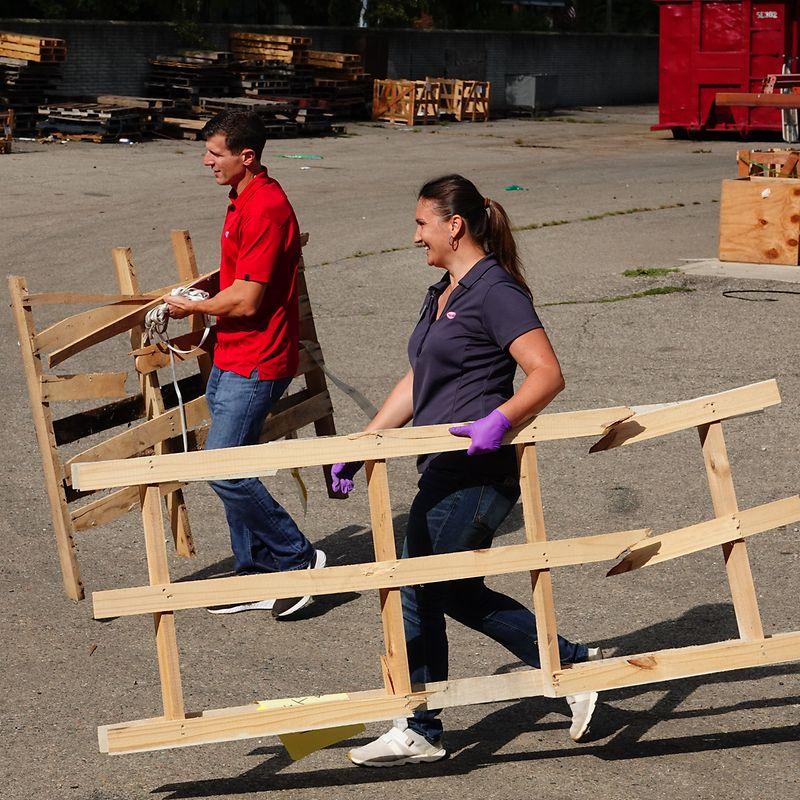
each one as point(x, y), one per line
point(649, 272)
point(657, 290)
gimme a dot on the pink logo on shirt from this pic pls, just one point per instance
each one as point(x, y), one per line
point(451, 315)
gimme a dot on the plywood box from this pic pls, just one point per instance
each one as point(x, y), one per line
point(760, 221)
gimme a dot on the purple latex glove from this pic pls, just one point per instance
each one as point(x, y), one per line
point(486, 434)
point(342, 476)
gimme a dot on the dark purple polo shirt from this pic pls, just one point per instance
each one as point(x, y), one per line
point(462, 367)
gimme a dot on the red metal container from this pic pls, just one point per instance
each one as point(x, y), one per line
point(710, 46)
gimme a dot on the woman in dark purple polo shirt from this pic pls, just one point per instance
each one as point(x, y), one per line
point(476, 325)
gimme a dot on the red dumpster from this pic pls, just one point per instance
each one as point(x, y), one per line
point(710, 46)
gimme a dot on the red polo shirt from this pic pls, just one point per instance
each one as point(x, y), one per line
point(261, 242)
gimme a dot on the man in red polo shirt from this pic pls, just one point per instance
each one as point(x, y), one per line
point(256, 351)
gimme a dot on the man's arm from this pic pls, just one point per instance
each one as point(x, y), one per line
point(241, 299)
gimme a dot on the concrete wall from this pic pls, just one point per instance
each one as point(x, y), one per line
point(593, 69)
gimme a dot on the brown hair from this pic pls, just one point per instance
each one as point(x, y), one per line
point(486, 219)
point(241, 129)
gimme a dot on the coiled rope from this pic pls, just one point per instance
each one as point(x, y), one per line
point(155, 328)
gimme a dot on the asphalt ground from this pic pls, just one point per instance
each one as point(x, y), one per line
point(601, 194)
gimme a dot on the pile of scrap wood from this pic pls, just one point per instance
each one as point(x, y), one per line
point(269, 47)
point(30, 70)
point(97, 122)
point(189, 75)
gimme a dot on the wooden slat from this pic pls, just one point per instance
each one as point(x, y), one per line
point(112, 506)
point(715, 532)
point(757, 100)
point(682, 662)
point(80, 298)
point(90, 386)
point(392, 574)
point(240, 462)
point(123, 322)
point(541, 581)
point(46, 440)
point(243, 722)
point(158, 571)
point(690, 414)
point(737, 564)
point(380, 509)
point(155, 407)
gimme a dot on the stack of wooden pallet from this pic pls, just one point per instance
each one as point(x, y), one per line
point(186, 77)
point(265, 78)
point(94, 122)
point(32, 48)
point(30, 70)
point(340, 80)
point(276, 116)
point(269, 47)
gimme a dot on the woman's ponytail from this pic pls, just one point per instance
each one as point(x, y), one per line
point(501, 242)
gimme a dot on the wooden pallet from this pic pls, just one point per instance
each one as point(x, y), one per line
point(632, 550)
point(407, 102)
point(32, 48)
point(147, 420)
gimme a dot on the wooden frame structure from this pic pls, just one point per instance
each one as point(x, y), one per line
point(152, 407)
point(768, 163)
point(621, 426)
point(409, 102)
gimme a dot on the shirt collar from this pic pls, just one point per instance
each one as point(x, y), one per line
point(236, 201)
point(478, 270)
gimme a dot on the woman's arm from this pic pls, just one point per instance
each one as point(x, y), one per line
point(534, 353)
point(398, 408)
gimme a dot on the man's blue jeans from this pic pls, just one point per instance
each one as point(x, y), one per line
point(264, 538)
point(448, 517)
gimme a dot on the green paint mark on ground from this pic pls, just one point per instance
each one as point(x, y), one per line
point(657, 290)
point(649, 272)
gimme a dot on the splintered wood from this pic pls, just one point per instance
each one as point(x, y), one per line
point(631, 550)
point(148, 420)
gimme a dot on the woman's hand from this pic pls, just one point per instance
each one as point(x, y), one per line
point(486, 433)
point(342, 476)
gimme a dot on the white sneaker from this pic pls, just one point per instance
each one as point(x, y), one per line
point(287, 606)
point(582, 705)
point(257, 605)
point(397, 747)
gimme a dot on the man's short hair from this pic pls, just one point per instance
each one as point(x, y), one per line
point(241, 129)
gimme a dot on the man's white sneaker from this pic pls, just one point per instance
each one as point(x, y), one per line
point(582, 705)
point(257, 605)
point(397, 747)
point(287, 606)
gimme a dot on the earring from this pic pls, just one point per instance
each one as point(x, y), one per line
point(453, 243)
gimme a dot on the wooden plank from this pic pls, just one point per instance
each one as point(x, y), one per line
point(737, 564)
point(158, 571)
point(154, 404)
point(120, 324)
point(673, 664)
point(757, 100)
point(392, 574)
point(90, 386)
point(243, 722)
point(240, 462)
point(689, 414)
point(715, 532)
point(758, 223)
point(185, 257)
point(380, 510)
point(112, 506)
point(541, 581)
point(46, 440)
point(79, 298)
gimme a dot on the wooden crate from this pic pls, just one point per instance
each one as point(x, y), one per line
point(760, 221)
point(472, 100)
point(409, 102)
point(768, 163)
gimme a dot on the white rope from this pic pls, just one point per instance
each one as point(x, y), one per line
point(155, 328)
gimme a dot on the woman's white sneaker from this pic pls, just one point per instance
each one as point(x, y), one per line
point(397, 747)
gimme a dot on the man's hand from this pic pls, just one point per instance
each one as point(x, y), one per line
point(180, 307)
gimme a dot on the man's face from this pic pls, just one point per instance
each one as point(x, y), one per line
point(228, 168)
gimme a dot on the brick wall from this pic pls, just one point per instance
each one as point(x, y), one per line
point(593, 69)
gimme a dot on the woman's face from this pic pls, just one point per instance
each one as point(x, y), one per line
point(433, 233)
